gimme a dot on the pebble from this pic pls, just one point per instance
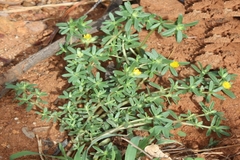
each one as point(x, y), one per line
point(28, 133)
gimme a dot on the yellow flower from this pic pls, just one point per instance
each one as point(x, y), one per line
point(136, 72)
point(226, 85)
point(174, 64)
point(87, 36)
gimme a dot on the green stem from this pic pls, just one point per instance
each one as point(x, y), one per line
point(133, 51)
point(146, 38)
point(200, 126)
point(124, 53)
point(114, 37)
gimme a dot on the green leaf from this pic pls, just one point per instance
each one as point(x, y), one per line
point(155, 26)
point(184, 63)
point(131, 151)
point(128, 25)
point(101, 137)
point(72, 50)
point(191, 24)
point(61, 24)
point(177, 125)
point(62, 150)
point(195, 68)
point(173, 71)
point(118, 73)
point(181, 134)
point(229, 93)
point(165, 69)
point(128, 7)
point(155, 85)
point(11, 86)
point(213, 77)
point(22, 153)
point(29, 107)
point(111, 16)
point(78, 155)
point(64, 31)
point(179, 36)
point(180, 18)
point(168, 32)
point(209, 131)
point(100, 68)
point(218, 96)
point(169, 26)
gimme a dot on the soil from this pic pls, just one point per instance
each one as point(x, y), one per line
point(215, 41)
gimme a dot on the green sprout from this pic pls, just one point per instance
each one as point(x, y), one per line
point(28, 95)
point(177, 28)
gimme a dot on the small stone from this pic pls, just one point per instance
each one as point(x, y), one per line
point(198, 98)
point(28, 133)
point(155, 151)
point(15, 131)
point(16, 118)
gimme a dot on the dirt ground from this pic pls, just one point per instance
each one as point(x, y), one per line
point(215, 41)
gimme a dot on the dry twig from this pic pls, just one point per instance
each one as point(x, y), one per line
point(22, 9)
point(39, 142)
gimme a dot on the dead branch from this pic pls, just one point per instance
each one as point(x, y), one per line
point(39, 142)
point(22, 9)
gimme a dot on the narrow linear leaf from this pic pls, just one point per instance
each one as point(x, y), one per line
point(191, 24)
point(181, 134)
point(22, 153)
point(179, 36)
point(229, 93)
point(180, 19)
point(128, 25)
point(168, 32)
point(131, 152)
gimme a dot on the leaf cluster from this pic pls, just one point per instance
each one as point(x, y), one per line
point(28, 95)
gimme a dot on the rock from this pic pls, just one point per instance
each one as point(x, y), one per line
point(28, 133)
point(155, 151)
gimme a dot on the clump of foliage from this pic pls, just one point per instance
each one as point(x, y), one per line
point(28, 95)
point(115, 90)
